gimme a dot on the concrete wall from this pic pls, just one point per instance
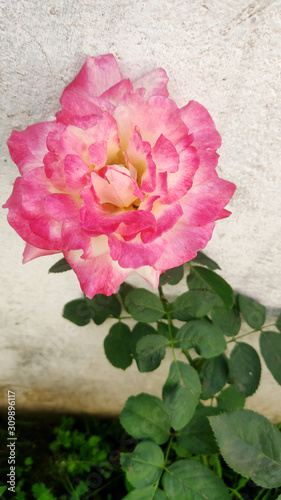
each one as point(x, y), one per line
point(224, 54)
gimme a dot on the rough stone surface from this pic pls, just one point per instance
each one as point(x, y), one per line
point(224, 54)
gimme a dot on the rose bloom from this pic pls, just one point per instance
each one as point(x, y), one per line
point(121, 181)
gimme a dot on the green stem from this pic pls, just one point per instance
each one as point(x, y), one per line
point(164, 465)
point(249, 333)
point(170, 323)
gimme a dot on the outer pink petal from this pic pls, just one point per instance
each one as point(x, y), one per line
point(207, 168)
point(28, 148)
point(97, 75)
point(149, 274)
point(154, 83)
point(115, 93)
point(201, 125)
point(135, 254)
point(182, 244)
point(30, 253)
point(152, 117)
point(204, 201)
point(97, 275)
point(62, 206)
point(74, 106)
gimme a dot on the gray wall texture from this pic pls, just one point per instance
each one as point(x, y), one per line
point(222, 53)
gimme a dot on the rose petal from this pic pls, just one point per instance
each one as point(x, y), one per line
point(182, 245)
point(31, 252)
point(153, 83)
point(97, 275)
point(201, 125)
point(27, 148)
point(203, 202)
point(165, 155)
point(115, 93)
point(152, 117)
point(97, 75)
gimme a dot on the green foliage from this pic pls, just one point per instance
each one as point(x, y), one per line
point(151, 349)
point(210, 280)
point(40, 492)
point(252, 311)
point(192, 304)
point(102, 307)
point(228, 320)
point(172, 276)
point(81, 311)
point(231, 399)
point(197, 436)
point(77, 312)
point(146, 494)
point(179, 425)
point(143, 467)
point(181, 393)
point(144, 305)
point(213, 374)
point(245, 368)
point(250, 445)
point(206, 338)
point(144, 417)
point(270, 346)
point(60, 266)
point(117, 346)
point(202, 259)
point(188, 480)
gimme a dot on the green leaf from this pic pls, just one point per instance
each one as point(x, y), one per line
point(2, 490)
point(117, 346)
point(252, 311)
point(213, 375)
point(270, 346)
point(139, 331)
point(279, 497)
point(216, 283)
point(181, 393)
point(144, 417)
point(197, 436)
point(231, 399)
point(171, 276)
point(192, 304)
point(163, 329)
point(123, 291)
point(144, 305)
point(151, 349)
point(41, 492)
point(278, 323)
point(190, 480)
point(102, 307)
point(60, 266)
point(146, 494)
point(143, 467)
point(207, 339)
point(245, 368)
point(250, 445)
point(77, 312)
point(202, 259)
point(228, 320)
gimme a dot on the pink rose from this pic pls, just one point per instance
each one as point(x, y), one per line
point(123, 180)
